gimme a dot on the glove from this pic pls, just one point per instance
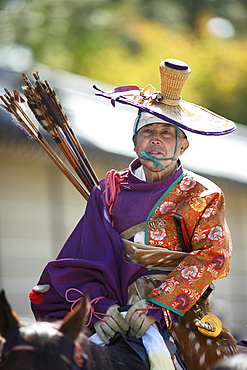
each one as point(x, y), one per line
point(112, 322)
point(137, 319)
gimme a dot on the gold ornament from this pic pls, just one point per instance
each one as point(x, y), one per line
point(209, 325)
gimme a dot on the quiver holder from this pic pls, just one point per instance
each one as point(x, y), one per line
point(42, 110)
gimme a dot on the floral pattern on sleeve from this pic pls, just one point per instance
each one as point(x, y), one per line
point(201, 203)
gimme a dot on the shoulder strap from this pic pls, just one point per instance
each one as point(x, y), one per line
point(158, 223)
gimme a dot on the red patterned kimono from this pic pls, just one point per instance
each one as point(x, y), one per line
point(201, 204)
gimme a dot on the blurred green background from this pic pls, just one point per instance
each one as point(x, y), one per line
point(123, 41)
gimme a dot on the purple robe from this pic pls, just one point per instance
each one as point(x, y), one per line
point(92, 260)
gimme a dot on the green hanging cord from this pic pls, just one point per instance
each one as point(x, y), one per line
point(156, 162)
point(176, 145)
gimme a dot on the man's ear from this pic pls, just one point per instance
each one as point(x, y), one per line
point(184, 145)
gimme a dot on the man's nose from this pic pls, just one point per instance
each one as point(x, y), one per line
point(156, 138)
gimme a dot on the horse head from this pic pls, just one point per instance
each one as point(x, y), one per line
point(41, 345)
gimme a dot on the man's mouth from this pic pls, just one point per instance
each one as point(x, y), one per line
point(154, 152)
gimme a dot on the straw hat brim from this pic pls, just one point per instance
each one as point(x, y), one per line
point(186, 115)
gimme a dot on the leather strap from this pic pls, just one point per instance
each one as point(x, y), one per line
point(157, 223)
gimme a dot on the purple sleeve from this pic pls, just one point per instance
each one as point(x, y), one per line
point(91, 262)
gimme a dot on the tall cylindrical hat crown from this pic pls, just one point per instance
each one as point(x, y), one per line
point(173, 74)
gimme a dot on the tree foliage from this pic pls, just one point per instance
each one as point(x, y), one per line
point(123, 42)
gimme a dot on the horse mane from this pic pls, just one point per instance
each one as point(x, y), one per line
point(45, 338)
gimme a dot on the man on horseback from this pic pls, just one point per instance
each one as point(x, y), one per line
point(154, 236)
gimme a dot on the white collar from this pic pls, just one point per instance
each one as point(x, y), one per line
point(139, 172)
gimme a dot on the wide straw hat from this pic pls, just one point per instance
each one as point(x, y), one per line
point(167, 104)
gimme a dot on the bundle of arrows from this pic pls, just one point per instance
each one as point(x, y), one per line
point(42, 108)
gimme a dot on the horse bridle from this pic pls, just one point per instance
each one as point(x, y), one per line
point(70, 352)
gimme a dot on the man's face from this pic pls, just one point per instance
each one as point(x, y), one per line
point(159, 140)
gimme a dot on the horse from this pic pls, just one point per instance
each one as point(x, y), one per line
point(64, 344)
point(61, 345)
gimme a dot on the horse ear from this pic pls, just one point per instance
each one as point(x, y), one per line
point(73, 322)
point(8, 318)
